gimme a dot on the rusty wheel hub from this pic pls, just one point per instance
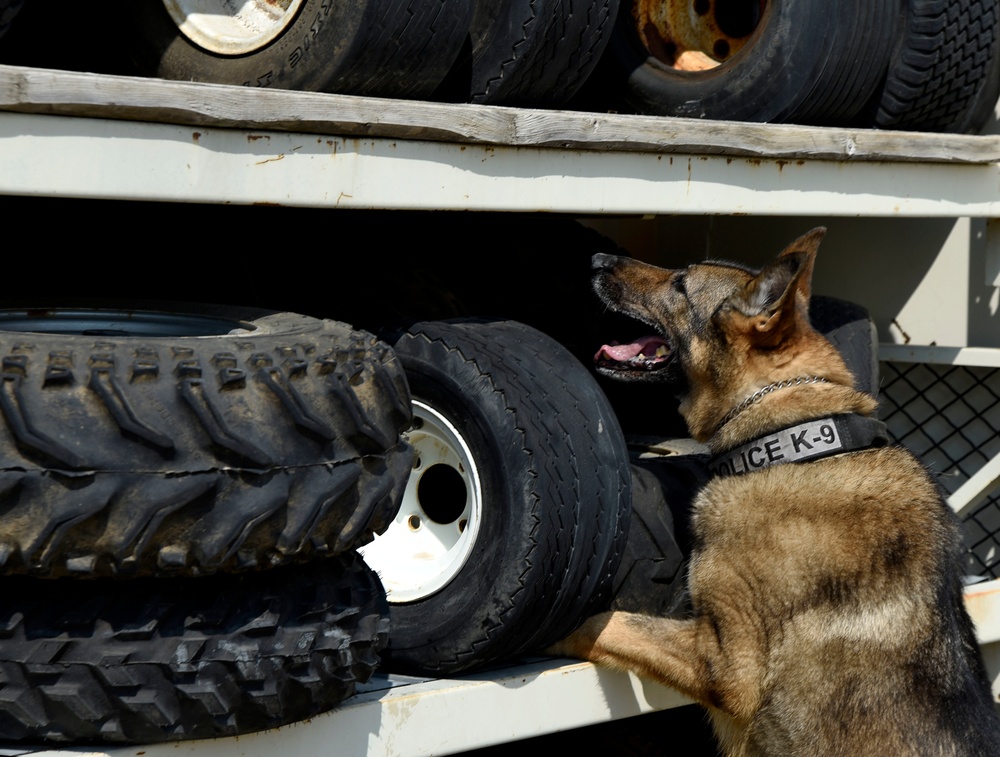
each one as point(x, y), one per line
point(696, 35)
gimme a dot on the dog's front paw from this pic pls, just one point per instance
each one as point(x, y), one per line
point(580, 643)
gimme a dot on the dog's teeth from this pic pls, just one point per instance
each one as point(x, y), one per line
point(662, 351)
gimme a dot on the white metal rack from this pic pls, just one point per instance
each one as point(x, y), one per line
point(88, 136)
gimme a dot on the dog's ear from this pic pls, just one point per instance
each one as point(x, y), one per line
point(770, 300)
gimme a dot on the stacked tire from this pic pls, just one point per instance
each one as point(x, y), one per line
point(524, 52)
point(516, 515)
point(381, 48)
point(187, 492)
point(184, 490)
point(928, 65)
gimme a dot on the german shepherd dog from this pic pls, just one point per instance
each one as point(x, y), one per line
point(825, 577)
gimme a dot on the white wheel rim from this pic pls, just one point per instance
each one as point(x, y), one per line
point(436, 528)
point(232, 27)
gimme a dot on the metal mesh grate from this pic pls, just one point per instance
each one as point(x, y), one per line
point(949, 416)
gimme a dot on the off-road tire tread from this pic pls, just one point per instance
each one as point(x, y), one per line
point(160, 456)
point(157, 660)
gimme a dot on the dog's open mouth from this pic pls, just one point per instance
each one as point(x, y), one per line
point(643, 356)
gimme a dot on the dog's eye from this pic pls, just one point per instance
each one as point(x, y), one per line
point(678, 284)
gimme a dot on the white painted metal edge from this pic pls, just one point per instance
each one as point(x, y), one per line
point(910, 353)
point(977, 487)
point(60, 156)
point(442, 716)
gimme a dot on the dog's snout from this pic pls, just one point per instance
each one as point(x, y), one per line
point(603, 262)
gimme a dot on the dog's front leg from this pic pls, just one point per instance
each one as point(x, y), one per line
point(682, 654)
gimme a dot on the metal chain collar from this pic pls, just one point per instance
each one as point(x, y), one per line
point(763, 392)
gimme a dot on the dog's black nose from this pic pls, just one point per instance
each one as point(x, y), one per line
point(602, 261)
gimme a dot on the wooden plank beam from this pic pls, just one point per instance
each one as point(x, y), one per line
point(29, 90)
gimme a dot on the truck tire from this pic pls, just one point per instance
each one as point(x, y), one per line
point(372, 47)
point(192, 439)
point(155, 660)
point(652, 575)
point(782, 61)
point(944, 74)
point(534, 53)
point(849, 327)
point(516, 514)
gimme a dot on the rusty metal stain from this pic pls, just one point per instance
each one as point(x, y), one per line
point(278, 157)
point(906, 337)
point(982, 604)
point(195, 136)
point(696, 35)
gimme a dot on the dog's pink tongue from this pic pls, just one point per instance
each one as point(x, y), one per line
point(622, 352)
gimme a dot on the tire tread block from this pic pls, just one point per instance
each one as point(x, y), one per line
point(133, 466)
point(228, 654)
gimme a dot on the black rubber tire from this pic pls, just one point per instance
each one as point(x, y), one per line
point(165, 659)
point(807, 61)
point(850, 329)
point(125, 450)
point(653, 572)
point(556, 495)
point(943, 72)
point(8, 9)
point(534, 53)
point(381, 48)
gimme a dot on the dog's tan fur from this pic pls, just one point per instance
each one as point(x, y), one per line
point(828, 614)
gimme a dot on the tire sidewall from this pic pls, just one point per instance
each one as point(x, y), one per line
point(771, 79)
point(748, 75)
point(441, 620)
point(556, 493)
point(308, 55)
point(536, 53)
